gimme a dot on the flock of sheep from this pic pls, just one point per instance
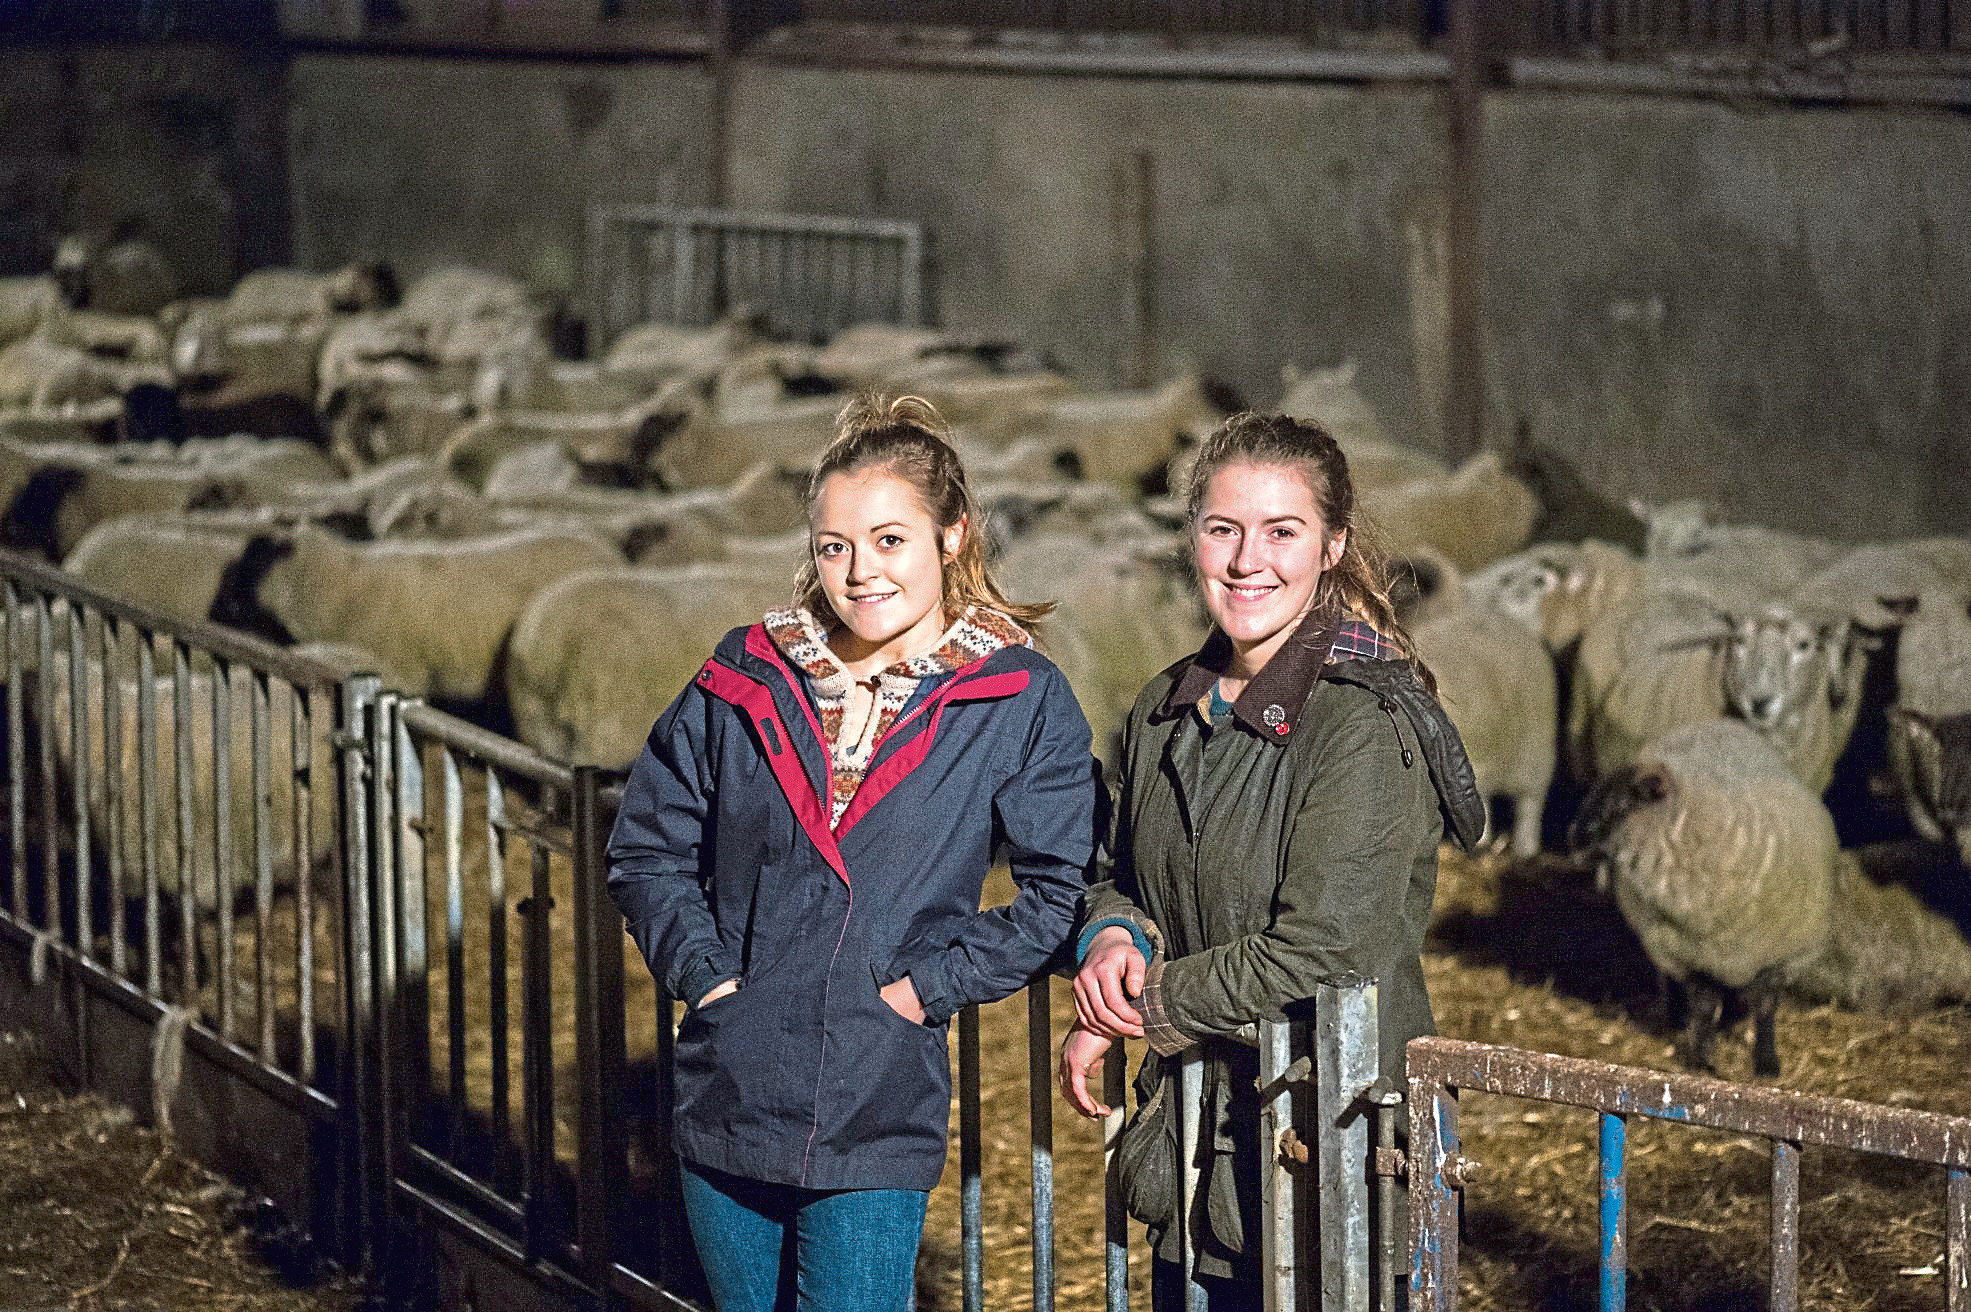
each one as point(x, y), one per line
point(411, 481)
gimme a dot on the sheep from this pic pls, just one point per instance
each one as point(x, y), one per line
point(998, 408)
point(376, 418)
point(1571, 508)
point(129, 339)
point(1473, 517)
point(295, 295)
point(223, 361)
point(709, 450)
point(97, 423)
point(56, 494)
point(397, 598)
point(1496, 681)
point(1126, 610)
point(1650, 665)
point(1125, 437)
point(1329, 397)
point(865, 355)
point(380, 346)
point(663, 350)
point(1861, 583)
point(1098, 513)
point(617, 444)
point(168, 563)
point(1722, 862)
point(125, 277)
point(25, 304)
point(1796, 677)
point(1732, 564)
point(1558, 589)
point(1729, 872)
point(39, 374)
point(1929, 744)
point(599, 654)
point(1423, 585)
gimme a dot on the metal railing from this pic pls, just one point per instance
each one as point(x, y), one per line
point(808, 275)
point(1626, 27)
point(1300, 19)
point(174, 850)
point(1438, 1171)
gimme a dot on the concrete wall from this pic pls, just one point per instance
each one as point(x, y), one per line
point(1767, 303)
point(488, 162)
point(181, 144)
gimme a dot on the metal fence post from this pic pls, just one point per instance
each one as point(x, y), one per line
point(599, 1048)
point(1278, 1260)
point(358, 1088)
point(1434, 1179)
point(1346, 1036)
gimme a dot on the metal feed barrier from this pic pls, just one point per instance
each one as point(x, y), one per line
point(809, 275)
point(358, 953)
point(1439, 1068)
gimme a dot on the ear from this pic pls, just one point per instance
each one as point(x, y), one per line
point(1337, 545)
point(1900, 607)
point(953, 538)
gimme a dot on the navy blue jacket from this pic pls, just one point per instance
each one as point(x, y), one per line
point(725, 865)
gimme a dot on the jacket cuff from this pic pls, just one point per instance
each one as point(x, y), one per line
point(1159, 1031)
point(1143, 944)
point(700, 978)
point(934, 992)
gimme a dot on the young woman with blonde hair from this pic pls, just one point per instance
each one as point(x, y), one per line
point(800, 854)
point(1283, 791)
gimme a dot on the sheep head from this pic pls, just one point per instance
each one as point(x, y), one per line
point(1780, 662)
point(1939, 750)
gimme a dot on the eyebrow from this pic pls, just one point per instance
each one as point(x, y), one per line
point(835, 533)
point(1277, 519)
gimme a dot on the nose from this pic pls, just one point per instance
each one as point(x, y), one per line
point(1762, 709)
point(1246, 559)
point(858, 568)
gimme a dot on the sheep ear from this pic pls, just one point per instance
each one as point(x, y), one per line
point(1901, 607)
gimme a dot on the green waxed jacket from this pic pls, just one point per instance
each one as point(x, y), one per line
point(1293, 842)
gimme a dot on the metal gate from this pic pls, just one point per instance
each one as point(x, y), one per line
point(808, 275)
point(1439, 1068)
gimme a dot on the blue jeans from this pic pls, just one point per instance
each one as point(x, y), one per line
point(780, 1248)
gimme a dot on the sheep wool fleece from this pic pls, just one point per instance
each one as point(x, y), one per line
point(729, 862)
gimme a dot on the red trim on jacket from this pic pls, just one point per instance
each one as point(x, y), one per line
point(893, 771)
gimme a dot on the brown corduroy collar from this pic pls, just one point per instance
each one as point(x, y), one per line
point(1272, 702)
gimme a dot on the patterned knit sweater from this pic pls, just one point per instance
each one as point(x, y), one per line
point(856, 713)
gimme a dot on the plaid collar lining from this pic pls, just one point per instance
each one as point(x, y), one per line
point(1271, 704)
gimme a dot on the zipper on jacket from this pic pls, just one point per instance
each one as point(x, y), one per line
point(1389, 709)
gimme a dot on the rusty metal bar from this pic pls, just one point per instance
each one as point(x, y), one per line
point(496, 969)
point(971, 1195)
point(1276, 1184)
point(222, 836)
point(412, 1010)
point(1435, 1179)
point(537, 1057)
point(1040, 1122)
point(387, 1017)
point(1390, 1240)
point(147, 802)
point(113, 791)
point(78, 750)
point(1786, 1227)
point(16, 755)
point(51, 893)
point(454, 848)
point(301, 759)
point(1346, 1064)
point(1115, 1220)
point(1190, 1106)
point(359, 1088)
point(600, 1059)
point(1696, 1100)
point(1957, 1239)
point(261, 713)
point(1614, 1212)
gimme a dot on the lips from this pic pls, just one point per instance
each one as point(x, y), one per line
point(871, 599)
point(1241, 593)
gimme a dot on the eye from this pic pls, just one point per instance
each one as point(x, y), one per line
point(889, 541)
point(830, 549)
point(1218, 530)
point(1282, 533)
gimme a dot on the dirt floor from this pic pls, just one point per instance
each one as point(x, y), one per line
point(1527, 956)
point(97, 1214)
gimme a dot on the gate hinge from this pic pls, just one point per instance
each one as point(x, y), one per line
point(1393, 1163)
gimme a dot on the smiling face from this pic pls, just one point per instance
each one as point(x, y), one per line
point(880, 557)
point(1261, 550)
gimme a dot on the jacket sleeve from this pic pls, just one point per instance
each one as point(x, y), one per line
point(1339, 906)
point(656, 876)
point(1113, 898)
point(1049, 813)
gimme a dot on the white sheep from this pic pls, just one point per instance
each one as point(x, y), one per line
point(1929, 743)
point(1471, 518)
point(1496, 681)
point(1732, 564)
point(598, 655)
point(1722, 863)
point(1124, 437)
point(25, 304)
point(440, 611)
point(1863, 582)
point(1729, 872)
point(1796, 677)
point(1557, 589)
point(1330, 398)
point(1652, 664)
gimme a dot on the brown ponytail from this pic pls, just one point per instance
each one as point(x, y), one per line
point(1357, 586)
point(907, 437)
